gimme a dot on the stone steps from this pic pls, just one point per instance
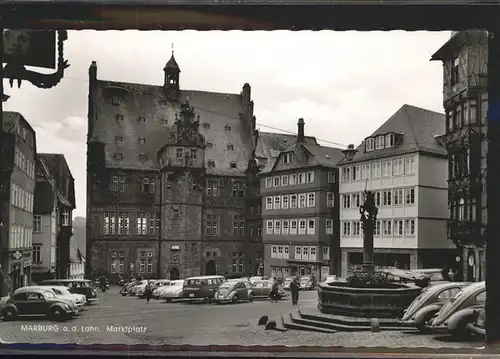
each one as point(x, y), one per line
point(322, 323)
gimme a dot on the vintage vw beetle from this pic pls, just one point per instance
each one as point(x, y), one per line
point(429, 302)
point(458, 312)
point(477, 325)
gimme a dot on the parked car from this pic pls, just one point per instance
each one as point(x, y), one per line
point(458, 311)
point(330, 278)
point(80, 286)
point(137, 286)
point(141, 291)
point(421, 311)
point(125, 290)
point(477, 326)
point(261, 289)
point(233, 292)
point(202, 288)
point(37, 301)
point(307, 282)
point(63, 292)
point(172, 291)
point(258, 278)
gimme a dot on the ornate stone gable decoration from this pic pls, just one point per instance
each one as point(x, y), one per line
point(187, 125)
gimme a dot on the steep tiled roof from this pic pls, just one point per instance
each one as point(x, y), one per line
point(325, 156)
point(418, 127)
point(172, 64)
point(58, 167)
point(216, 110)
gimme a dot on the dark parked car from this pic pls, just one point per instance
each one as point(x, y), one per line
point(38, 302)
point(233, 292)
point(421, 311)
point(458, 312)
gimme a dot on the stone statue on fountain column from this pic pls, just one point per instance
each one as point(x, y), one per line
point(368, 211)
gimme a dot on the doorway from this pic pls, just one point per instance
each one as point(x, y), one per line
point(174, 273)
point(210, 268)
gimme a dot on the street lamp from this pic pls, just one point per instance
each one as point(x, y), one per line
point(350, 152)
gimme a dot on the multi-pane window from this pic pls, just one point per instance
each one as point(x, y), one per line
point(149, 268)
point(274, 251)
point(145, 185)
point(356, 228)
point(410, 165)
point(330, 201)
point(376, 170)
point(293, 179)
point(293, 226)
point(311, 226)
point(410, 195)
point(284, 202)
point(302, 178)
point(298, 252)
point(312, 253)
point(369, 144)
point(287, 158)
point(37, 223)
point(365, 171)
point(311, 199)
point(238, 226)
point(277, 227)
point(305, 253)
point(142, 224)
point(109, 223)
point(397, 167)
point(293, 201)
point(310, 177)
point(377, 229)
point(269, 203)
point(212, 188)
point(346, 174)
point(285, 227)
point(398, 197)
point(398, 227)
point(331, 177)
point(326, 253)
point(302, 226)
point(356, 172)
point(286, 252)
point(237, 266)
point(346, 201)
point(269, 182)
point(37, 253)
point(212, 225)
point(379, 142)
point(277, 202)
point(302, 200)
point(387, 227)
point(390, 140)
point(276, 181)
point(387, 198)
point(178, 152)
point(346, 228)
point(154, 224)
point(409, 227)
point(356, 200)
point(269, 227)
point(118, 184)
point(284, 180)
point(386, 168)
point(378, 197)
point(329, 226)
point(123, 223)
point(142, 265)
point(238, 190)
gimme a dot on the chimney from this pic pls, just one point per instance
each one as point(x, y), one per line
point(93, 72)
point(300, 130)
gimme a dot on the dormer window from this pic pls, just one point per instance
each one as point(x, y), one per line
point(119, 139)
point(233, 164)
point(230, 147)
point(206, 125)
point(141, 119)
point(369, 144)
point(142, 140)
point(390, 140)
point(209, 145)
point(118, 156)
point(143, 157)
point(119, 117)
point(211, 163)
point(227, 128)
point(455, 71)
point(287, 158)
point(379, 142)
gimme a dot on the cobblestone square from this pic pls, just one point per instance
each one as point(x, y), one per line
point(128, 320)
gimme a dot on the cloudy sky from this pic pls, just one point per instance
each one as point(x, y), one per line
point(344, 84)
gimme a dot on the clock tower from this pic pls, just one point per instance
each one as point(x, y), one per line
point(171, 79)
point(182, 182)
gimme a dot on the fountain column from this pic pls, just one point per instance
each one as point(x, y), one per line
point(368, 213)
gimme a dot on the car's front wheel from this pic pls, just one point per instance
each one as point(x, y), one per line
point(423, 325)
point(460, 331)
point(234, 300)
point(9, 314)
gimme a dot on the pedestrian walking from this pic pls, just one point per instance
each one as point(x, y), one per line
point(148, 292)
point(294, 288)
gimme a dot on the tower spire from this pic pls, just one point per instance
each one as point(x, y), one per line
point(172, 46)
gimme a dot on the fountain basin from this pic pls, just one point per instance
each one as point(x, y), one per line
point(388, 301)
